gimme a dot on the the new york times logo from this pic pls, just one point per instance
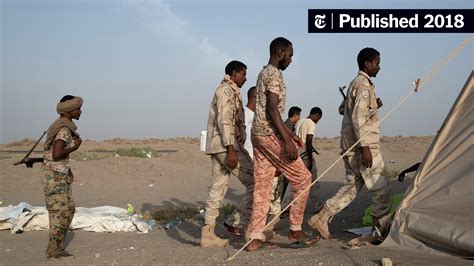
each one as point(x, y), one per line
point(390, 20)
point(319, 21)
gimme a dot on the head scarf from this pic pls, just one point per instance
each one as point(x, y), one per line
point(69, 105)
point(62, 108)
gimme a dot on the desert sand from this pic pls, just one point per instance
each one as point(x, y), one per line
point(181, 179)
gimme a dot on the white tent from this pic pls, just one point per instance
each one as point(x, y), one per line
point(437, 212)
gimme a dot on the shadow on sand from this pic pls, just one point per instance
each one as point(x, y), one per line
point(190, 232)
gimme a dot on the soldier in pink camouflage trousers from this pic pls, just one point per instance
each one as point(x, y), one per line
point(275, 149)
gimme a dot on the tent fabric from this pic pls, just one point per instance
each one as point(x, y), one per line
point(437, 212)
point(24, 217)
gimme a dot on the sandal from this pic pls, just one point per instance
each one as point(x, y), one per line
point(261, 245)
point(62, 255)
point(233, 230)
point(310, 241)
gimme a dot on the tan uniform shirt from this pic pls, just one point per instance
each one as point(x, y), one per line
point(226, 122)
point(270, 79)
point(361, 120)
point(62, 165)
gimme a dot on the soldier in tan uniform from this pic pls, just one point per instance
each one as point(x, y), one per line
point(364, 163)
point(225, 144)
point(62, 139)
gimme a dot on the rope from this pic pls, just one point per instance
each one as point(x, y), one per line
point(425, 80)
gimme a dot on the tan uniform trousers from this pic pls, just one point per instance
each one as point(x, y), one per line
point(219, 184)
point(356, 177)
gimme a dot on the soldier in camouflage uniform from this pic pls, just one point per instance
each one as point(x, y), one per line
point(364, 164)
point(225, 144)
point(62, 139)
point(275, 149)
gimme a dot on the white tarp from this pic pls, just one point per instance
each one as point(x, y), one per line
point(25, 217)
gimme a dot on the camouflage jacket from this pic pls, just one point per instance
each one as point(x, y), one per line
point(226, 122)
point(270, 79)
point(63, 164)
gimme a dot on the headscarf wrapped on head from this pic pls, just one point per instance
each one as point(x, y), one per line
point(69, 105)
point(62, 108)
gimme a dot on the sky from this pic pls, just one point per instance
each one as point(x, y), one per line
point(149, 69)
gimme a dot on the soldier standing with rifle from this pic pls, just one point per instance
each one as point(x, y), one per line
point(62, 139)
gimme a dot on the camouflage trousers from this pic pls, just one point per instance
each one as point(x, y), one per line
point(219, 184)
point(60, 206)
point(313, 192)
point(356, 177)
point(269, 157)
point(275, 202)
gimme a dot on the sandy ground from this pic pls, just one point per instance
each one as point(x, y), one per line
point(181, 179)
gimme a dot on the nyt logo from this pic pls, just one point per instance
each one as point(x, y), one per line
point(319, 21)
point(390, 20)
